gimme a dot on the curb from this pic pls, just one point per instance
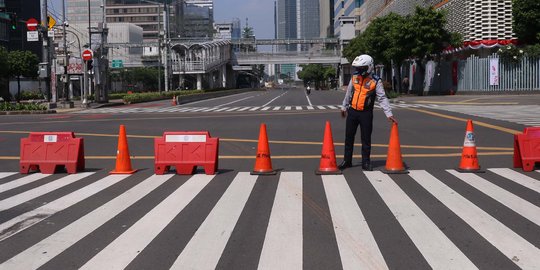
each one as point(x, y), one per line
point(26, 112)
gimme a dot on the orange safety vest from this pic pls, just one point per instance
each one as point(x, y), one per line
point(363, 93)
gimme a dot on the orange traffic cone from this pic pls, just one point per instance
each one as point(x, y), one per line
point(174, 103)
point(469, 157)
point(263, 164)
point(328, 163)
point(123, 161)
point(394, 161)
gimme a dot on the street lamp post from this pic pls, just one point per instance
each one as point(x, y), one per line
point(166, 34)
point(66, 76)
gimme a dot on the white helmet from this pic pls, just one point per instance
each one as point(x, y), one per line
point(364, 60)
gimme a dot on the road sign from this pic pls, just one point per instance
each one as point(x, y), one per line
point(87, 55)
point(31, 24)
point(117, 63)
point(32, 36)
point(51, 22)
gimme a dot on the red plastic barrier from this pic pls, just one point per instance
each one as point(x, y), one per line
point(527, 148)
point(186, 151)
point(47, 150)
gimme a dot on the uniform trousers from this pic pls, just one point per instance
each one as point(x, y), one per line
point(354, 119)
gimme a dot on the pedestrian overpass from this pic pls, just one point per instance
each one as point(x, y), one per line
point(212, 63)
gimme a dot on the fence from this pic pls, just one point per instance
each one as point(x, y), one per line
point(474, 75)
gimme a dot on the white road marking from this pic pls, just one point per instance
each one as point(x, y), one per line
point(519, 178)
point(268, 103)
point(30, 218)
point(205, 247)
point(21, 181)
point(357, 246)
point(235, 101)
point(513, 246)
point(4, 175)
point(282, 248)
point(519, 205)
point(119, 253)
point(40, 253)
point(437, 249)
point(41, 190)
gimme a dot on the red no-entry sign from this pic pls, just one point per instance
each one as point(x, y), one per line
point(31, 24)
point(87, 55)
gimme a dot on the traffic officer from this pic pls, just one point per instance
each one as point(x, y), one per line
point(358, 108)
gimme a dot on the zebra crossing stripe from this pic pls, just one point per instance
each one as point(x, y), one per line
point(321, 107)
point(519, 178)
point(298, 108)
point(119, 253)
point(287, 108)
point(254, 108)
point(222, 109)
point(310, 108)
point(41, 190)
point(243, 109)
point(21, 181)
point(207, 244)
point(421, 230)
point(282, 248)
point(513, 246)
point(333, 107)
point(40, 253)
point(519, 205)
point(30, 218)
point(4, 175)
point(277, 108)
point(356, 244)
point(265, 109)
point(232, 109)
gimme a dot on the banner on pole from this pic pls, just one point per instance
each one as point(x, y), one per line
point(494, 71)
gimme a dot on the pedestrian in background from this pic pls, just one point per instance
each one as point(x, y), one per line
point(358, 105)
point(405, 84)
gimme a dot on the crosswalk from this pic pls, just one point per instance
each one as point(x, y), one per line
point(528, 115)
point(182, 109)
point(439, 219)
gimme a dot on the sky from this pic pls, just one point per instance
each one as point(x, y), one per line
point(260, 14)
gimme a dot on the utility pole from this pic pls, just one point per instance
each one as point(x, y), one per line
point(87, 81)
point(159, 48)
point(66, 63)
point(45, 57)
point(166, 23)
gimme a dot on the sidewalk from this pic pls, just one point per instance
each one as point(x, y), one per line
point(77, 105)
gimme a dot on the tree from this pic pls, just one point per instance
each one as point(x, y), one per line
point(394, 38)
point(526, 23)
point(22, 63)
point(427, 33)
point(4, 74)
point(316, 74)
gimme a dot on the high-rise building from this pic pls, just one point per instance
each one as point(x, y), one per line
point(286, 19)
point(78, 11)
point(351, 9)
point(195, 18)
point(308, 18)
point(147, 14)
point(326, 24)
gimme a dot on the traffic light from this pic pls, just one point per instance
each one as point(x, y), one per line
point(89, 65)
point(13, 21)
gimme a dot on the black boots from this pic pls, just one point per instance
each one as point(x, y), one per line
point(367, 167)
point(344, 165)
